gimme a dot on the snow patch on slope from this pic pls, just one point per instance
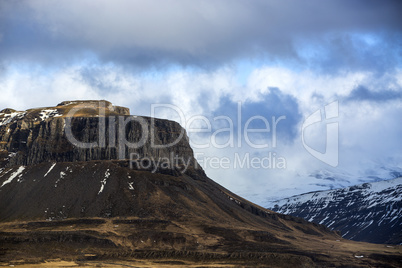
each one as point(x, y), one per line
point(50, 169)
point(47, 113)
point(103, 182)
point(13, 175)
point(62, 175)
point(8, 118)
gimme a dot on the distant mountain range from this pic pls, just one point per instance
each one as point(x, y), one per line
point(342, 179)
point(370, 212)
point(323, 180)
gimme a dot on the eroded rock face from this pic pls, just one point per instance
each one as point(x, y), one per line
point(87, 130)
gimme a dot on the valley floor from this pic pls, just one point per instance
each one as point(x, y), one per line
point(136, 242)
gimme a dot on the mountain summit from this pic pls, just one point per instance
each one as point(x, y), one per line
point(87, 182)
point(84, 131)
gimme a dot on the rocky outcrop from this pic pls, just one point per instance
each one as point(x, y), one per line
point(88, 130)
point(108, 105)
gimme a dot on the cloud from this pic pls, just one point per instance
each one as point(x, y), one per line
point(204, 34)
point(361, 93)
point(46, 87)
point(276, 107)
point(369, 130)
point(275, 57)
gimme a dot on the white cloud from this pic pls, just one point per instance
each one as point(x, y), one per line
point(306, 84)
point(369, 131)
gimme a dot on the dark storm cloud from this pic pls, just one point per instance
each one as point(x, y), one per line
point(201, 33)
point(361, 93)
point(23, 39)
point(350, 51)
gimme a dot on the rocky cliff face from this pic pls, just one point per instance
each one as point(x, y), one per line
point(87, 130)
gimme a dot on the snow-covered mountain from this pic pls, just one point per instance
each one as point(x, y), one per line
point(302, 182)
point(337, 178)
point(370, 212)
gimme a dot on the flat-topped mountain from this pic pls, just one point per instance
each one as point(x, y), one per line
point(67, 191)
point(86, 130)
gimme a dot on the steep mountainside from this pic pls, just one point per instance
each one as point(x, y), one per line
point(60, 200)
point(370, 212)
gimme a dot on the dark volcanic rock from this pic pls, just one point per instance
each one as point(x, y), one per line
point(42, 135)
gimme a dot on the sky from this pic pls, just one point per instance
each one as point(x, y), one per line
point(221, 67)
